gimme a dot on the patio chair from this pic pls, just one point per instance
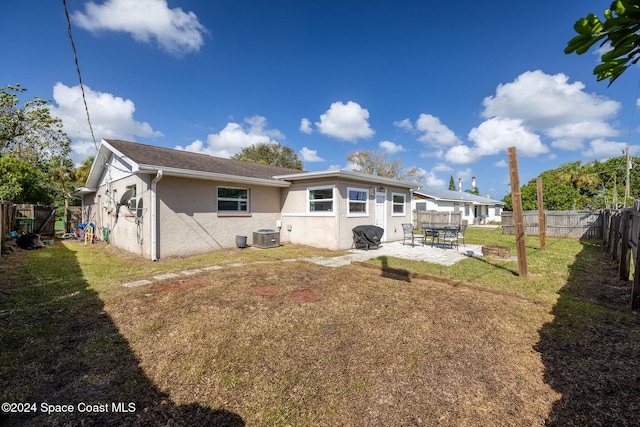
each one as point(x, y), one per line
point(429, 234)
point(449, 237)
point(407, 229)
point(366, 235)
point(463, 229)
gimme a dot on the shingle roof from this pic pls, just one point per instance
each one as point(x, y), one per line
point(170, 158)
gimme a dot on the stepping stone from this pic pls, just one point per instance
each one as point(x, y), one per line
point(137, 283)
point(213, 267)
point(166, 276)
point(190, 272)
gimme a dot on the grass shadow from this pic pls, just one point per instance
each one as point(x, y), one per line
point(59, 347)
point(591, 350)
point(393, 273)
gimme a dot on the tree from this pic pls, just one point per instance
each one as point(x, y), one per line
point(272, 154)
point(33, 150)
point(620, 29)
point(452, 184)
point(82, 172)
point(377, 163)
point(577, 185)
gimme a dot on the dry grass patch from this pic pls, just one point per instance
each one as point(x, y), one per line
point(369, 351)
point(266, 342)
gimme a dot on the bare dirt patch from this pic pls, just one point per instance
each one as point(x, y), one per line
point(306, 295)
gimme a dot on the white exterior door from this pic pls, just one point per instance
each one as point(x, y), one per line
point(380, 212)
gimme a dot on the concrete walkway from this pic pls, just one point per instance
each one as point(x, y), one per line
point(418, 252)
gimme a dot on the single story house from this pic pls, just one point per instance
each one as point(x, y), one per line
point(160, 202)
point(473, 208)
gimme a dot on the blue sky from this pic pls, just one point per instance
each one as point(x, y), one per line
point(444, 86)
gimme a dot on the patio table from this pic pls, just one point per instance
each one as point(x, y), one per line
point(444, 233)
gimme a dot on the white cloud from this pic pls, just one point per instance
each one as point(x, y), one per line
point(435, 133)
point(309, 155)
point(495, 136)
point(196, 146)
point(430, 179)
point(571, 136)
point(235, 136)
point(601, 149)
point(550, 104)
point(436, 154)
point(305, 126)
point(502, 163)
point(390, 147)
point(404, 125)
point(347, 122)
point(441, 167)
point(111, 117)
point(174, 30)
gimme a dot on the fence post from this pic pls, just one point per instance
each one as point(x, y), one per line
point(625, 257)
point(635, 288)
point(613, 236)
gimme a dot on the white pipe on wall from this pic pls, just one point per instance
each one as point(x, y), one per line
point(154, 214)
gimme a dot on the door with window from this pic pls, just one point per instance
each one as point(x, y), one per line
point(380, 212)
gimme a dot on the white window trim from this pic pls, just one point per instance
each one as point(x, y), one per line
point(233, 199)
point(404, 204)
point(366, 202)
point(333, 200)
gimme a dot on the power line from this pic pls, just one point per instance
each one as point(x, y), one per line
point(75, 57)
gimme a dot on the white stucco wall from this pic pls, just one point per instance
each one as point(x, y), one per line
point(189, 222)
point(332, 230)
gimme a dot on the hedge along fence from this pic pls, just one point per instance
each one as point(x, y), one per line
point(563, 224)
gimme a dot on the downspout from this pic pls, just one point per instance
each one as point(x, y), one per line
point(154, 216)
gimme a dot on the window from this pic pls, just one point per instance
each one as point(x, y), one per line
point(498, 211)
point(132, 200)
point(321, 199)
point(398, 204)
point(233, 200)
point(421, 206)
point(358, 201)
point(467, 212)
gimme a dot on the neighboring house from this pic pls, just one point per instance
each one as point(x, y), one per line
point(470, 206)
point(180, 203)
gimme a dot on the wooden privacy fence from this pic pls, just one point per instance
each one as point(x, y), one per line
point(436, 218)
point(36, 219)
point(622, 237)
point(7, 215)
point(564, 224)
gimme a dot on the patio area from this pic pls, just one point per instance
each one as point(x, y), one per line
point(432, 254)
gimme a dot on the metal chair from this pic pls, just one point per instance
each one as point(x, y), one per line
point(407, 229)
point(428, 234)
point(449, 237)
point(461, 232)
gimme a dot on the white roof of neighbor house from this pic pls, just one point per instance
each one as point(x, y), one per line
point(457, 196)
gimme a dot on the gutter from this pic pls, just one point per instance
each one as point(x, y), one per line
point(154, 216)
point(213, 176)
